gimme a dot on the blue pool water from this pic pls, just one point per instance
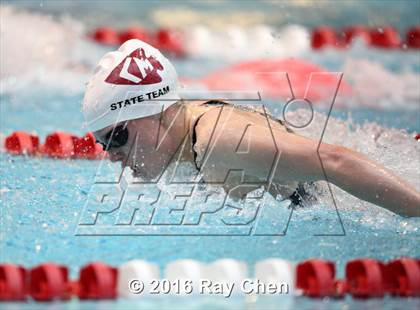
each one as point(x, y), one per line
point(42, 200)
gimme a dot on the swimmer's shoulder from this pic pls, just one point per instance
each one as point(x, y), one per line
point(195, 110)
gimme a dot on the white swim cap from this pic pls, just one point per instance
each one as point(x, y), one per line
point(135, 81)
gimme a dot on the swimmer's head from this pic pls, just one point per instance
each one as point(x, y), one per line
point(146, 144)
point(134, 144)
point(136, 81)
point(124, 101)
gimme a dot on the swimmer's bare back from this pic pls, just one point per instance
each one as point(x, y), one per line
point(229, 139)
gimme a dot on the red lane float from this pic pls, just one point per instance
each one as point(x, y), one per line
point(135, 33)
point(403, 277)
point(105, 36)
point(49, 282)
point(57, 145)
point(365, 278)
point(12, 282)
point(170, 41)
point(86, 147)
point(324, 36)
point(386, 37)
point(21, 142)
point(413, 37)
point(353, 33)
point(98, 281)
point(167, 40)
point(316, 278)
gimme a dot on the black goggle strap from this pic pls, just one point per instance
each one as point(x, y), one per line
point(119, 136)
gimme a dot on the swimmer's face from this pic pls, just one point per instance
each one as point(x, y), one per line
point(134, 144)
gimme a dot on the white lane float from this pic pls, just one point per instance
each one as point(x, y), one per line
point(226, 275)
point(277, 273)
point(186, 274)
point(140, 270)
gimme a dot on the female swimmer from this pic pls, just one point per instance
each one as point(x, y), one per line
point(133, 108)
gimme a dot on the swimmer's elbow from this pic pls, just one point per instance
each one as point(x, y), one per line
point(334, 159)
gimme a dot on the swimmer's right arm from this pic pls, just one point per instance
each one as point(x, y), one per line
point(298, 160)
point(370, 181)
point(349, 170)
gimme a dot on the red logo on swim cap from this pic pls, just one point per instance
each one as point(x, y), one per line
point(136, 69)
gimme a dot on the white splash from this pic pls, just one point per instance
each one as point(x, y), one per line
point(42, 53)
point(378, 87)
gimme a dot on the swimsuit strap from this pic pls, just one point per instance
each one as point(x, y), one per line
point(216, 102)
point(193, 125)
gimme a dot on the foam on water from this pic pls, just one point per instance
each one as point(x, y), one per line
point(42, 53)
point(386, 146)
point(377, 87)
point(36, 40)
